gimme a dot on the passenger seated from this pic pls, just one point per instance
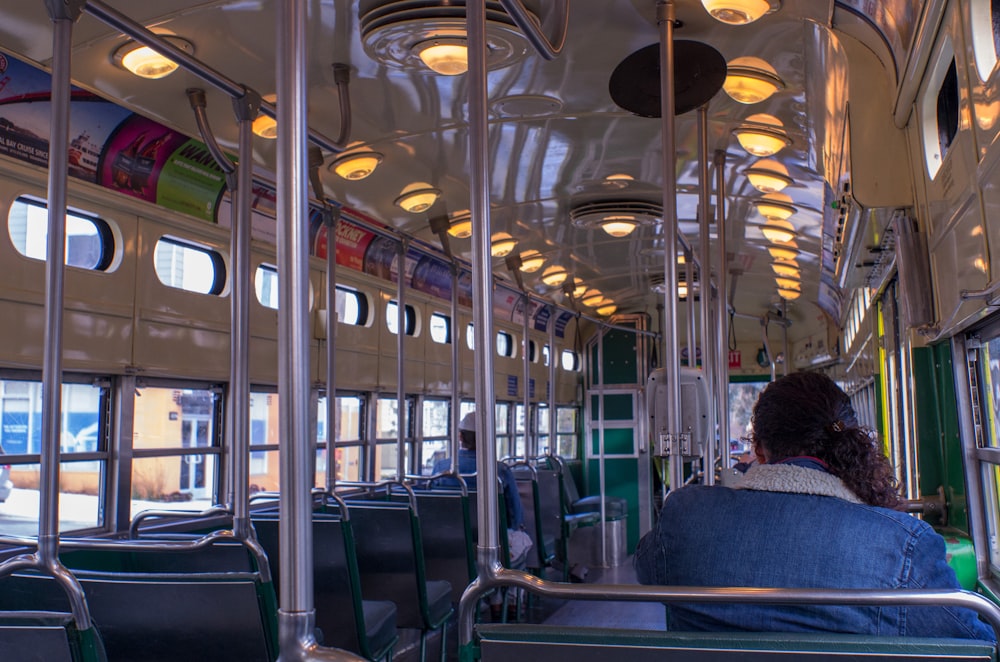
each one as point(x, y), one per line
point(815, 511)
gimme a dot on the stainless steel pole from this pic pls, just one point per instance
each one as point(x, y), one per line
point(722, 303)
point(401, 362)
point(708, 351)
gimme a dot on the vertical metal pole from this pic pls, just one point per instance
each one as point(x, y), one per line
point(482, 288)
point(708, 352)
point(553, 415)
point(401, 362)
point(332, 321)
point(671, 360)
point(722, 303)
point(530, 448)
point(239, 308)
point(600, 443)
point(456, 370)
point(690, 307)
point(784, 337)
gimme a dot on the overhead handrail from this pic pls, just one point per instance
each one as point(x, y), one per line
point(554, 22)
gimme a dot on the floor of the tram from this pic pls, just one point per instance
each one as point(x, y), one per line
point(552, 611)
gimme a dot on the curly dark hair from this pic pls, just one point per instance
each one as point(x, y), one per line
point(806, 413)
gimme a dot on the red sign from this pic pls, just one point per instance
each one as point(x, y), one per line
point(735, 360)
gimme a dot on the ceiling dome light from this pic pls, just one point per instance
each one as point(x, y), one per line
point(619, 225)
point(778, 232)
point(774, 206)
point(751, 80)
point(592, 297)
point(579, 287)
point(144, 62)
point(618, 180)
point(787, 268)
point(736, 12)
point(788, 295)
point(788, 283)
point(417, 197)
point(461, 225)
point(608, 308)
point(263, 125)
point(554, 275)
point(786, 252)
point(502, 244)
point(531, 261)
point(768, 176)
point(448, 57)
point(356, 165)
point(762, 135)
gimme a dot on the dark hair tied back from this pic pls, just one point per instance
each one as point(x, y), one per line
point(793, 417)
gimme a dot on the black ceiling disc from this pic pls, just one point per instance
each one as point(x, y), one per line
point(699, 71)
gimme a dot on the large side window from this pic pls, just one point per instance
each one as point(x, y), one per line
point(90, 243)
point(349, 409)
point(386, 430)
point(435, 424)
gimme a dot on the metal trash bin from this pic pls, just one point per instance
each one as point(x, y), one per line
point(611, 533)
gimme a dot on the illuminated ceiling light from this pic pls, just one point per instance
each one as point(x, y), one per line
point(608, 308)
point(779, 232)
point(502, 244)
point(774, 206)
point(264, 125)
point(592, 297)
point(554, 275)
point(788, 268)
point(618, 181)
point(579, 287)
point(751, 80)
point(417, 197)
point(788, 283)
point(356, 165)
point(448, 56)
point(461, 225)
point(736, 12)
point(682, 290)
point(531, 261)
point(762, 135)
point(415, 36)
point(786, 252)
point(768, 176)
point(619, 225)
point(144, 62)
point(788, 295)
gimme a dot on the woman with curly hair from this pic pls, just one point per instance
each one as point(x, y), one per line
point(814, 511)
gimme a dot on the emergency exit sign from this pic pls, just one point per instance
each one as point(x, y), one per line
point(735, 360)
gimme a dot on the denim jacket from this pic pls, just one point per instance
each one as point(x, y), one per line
point(467, 467)
point(798, 527)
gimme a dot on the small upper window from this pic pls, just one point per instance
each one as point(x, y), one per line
point(470, 336)
point(532, 351)
point(409, 318)
point(570, 360)
point(266, 284)
point(545, 355)
point(90, 243)
point(985, 21)
point(505, 344)
point(440, 328)
point(939, 108)
point(947, 110)
point(352, 307)
point(189, 266)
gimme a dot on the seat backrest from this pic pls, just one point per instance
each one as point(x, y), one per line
point(164, 617)
point(391, 559)
point(28, 636)
point(539, 643)
point(220, 556)
point(336, 587)
point(445, 528)
point(527, 487)
point(551, 506)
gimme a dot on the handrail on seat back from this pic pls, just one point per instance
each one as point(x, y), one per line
point(556, 518)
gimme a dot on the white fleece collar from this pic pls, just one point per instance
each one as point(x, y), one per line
point(795, 479)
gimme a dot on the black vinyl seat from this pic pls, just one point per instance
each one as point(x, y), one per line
point(43, 636)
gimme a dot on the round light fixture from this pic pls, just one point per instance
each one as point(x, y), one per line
point(417, 198)
point(762, 135)
point(788, 283)
point(768, 176)
point(736, 12)
point(787, 268)
point(619, 225)
point(531, 261)
point(263, 125)
point(751, 80)
point(144, 62)
point(779, 232)
point(554, 275)
point(502, 244)
point(608, 308)
point(592, 297)
point(774, 206)
point(446, 56)
point(788, 295)
point(786, 252)
point(578, 288)
point(461, 225)
point(356, 165)
point(618, 181)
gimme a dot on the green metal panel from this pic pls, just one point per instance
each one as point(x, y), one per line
point(617, 407)
point(620, 360)
point(954, 472)
point(617, 441)
point(621, 477)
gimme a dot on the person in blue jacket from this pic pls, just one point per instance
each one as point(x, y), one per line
point(816, 510)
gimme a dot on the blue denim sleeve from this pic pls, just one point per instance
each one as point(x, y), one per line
point(930, 569)
point(512, 500)
point(650, 561)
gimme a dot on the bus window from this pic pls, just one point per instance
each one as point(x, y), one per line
point(440, 328)
point(352, 306)
point(264, 438)
point(189, 266)
point(347, 438)
point(409, 318)
point(386, 430)
point(505, 344)
point(90, 242)
point(265, 283)
point(570, 360)
point(567, 436)
point(742, 397)
point(434, 433)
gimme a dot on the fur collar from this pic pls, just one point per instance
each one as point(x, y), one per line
point(797, 480)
